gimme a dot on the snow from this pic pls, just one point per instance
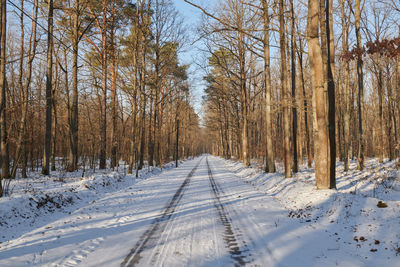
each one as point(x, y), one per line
point(223, 215)
point(348, 215)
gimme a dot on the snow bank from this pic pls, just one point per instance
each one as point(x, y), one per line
point(363, 213)
point(38, 200)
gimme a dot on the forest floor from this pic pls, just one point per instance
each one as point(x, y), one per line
point(207, 212)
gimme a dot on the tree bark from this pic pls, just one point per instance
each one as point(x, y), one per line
point(244, 96)
point(177, 144)
point(54, 133)
point(331, 93)
point(73, 123)
point(381, 135)
point(345, 47)
point(103, 126)
point(319, 97)
point(390, 121)
point(270, 157)
point(114, 143)
point(285, 93)
point(5, 163)
point(360, 79)
point(293, 78)
point(49, 95)
point(306, 107)
point(398, 103)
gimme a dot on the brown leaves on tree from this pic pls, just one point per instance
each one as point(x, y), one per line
point(353, 54)
point(388, 48)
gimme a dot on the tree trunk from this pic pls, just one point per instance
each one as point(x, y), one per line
point(133, 134)
point(142, 119)
point(319, 97)
point(114, 143)
point(293, 78)
point(150, 144)
point(398, 103)
point(73, 122)
point(285, 92)
point(331, 93)
point(306, 107)
point(54, 134)
point(49, 97)
point(390, 120)
point(5, 163)
point(381, 134)
point(270, 157)
point(177, 144)
point(244, 101)
point(103, 126)
point(360, 78)
point(345, 47)
point(145, 24)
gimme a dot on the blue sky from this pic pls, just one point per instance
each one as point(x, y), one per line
point(192, 17)
point(183, 7)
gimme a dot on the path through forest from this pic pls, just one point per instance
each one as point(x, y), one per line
point(200, 214)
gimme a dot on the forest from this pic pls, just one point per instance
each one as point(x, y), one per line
point(89, 83)
point(316, 82)
point(199, 133)
point(86, 84)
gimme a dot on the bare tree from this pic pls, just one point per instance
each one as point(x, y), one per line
point(360, 79)
point(285, 92)
point(270, 158)
point(293, 79)
point(49, 97)
point(346, 82)
point(5, 168)
point(321, 134)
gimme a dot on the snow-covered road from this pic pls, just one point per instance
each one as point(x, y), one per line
point(200, 214)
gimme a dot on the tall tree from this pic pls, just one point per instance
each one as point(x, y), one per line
point(398, 98)
point(243, 90)
point(145, 21)
point(331, 92)
point(104, 67)
point(307, 124)
point(113, 59)
point(73, 115)
point(270, 158)
point(320, 104)
point(346, 84)
point(49, 92)
point(5, 164)
point(360, 82)
point(293, 79)
point(285, 92)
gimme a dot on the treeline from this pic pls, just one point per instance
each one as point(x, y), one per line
point(89, 83)
point(294, 81)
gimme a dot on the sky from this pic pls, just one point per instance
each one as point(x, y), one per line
point(192, 18)
point(185, 8)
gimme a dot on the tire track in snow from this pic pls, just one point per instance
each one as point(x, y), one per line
point(150, 238)
point(236, 253)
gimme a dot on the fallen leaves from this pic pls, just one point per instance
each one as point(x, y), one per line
point(361, 238)
point(381, 204)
